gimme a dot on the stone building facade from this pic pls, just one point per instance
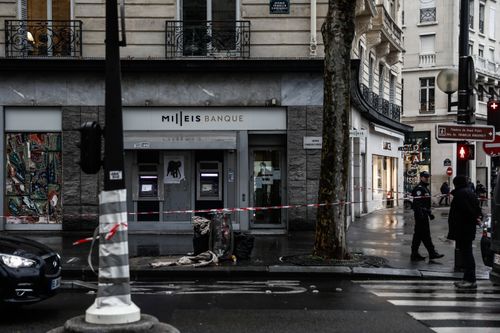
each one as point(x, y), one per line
point(202, 128)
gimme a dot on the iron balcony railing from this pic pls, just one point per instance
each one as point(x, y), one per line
point(44, 38)
point(225, 39)
point(382, 106)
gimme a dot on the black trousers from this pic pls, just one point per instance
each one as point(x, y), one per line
point(445, 198)
point(422, 234)
point(469, 265)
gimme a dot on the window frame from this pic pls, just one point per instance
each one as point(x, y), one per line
point(427, 85)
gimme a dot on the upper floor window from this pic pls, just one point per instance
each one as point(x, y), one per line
point(392, 89)
point(492, 23)
point(49, 29)
point(392, 9)
point(427, 11)
point(208, 26)
point(370, 72)
point(381, 76)
point(471, 14)
point(480, 51)
point(481, 18)
point(427, 90)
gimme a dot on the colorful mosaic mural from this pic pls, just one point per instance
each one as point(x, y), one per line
point(33, 178)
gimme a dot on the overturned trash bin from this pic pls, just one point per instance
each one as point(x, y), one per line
point(201, 234)
point(221, 234)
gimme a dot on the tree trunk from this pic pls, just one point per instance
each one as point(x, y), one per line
point(338, 34)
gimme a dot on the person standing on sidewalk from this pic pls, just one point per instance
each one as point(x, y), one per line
point(422, 212)
point(445, 191)
point(465, 214)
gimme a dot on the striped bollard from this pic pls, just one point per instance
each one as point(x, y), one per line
point(113, 304)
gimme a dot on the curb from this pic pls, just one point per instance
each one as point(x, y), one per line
point(167, 273)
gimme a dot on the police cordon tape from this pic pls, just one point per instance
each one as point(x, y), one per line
point(113, 230)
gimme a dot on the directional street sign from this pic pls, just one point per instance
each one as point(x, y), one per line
point(452, 132)
point(492, 148)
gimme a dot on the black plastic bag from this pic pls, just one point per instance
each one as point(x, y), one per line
point(243, 245)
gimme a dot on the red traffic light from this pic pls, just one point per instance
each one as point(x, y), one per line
point(465, 152)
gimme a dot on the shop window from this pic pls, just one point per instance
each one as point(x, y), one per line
point(33, 178)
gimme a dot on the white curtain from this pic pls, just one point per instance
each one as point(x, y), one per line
point(491, 30)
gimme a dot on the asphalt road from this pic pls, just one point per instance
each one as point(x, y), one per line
point(235, 306)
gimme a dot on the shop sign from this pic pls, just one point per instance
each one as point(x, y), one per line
point(357, 133)
point(313, 142)
point(279, 6)
point(203, 119)
point(386, 145)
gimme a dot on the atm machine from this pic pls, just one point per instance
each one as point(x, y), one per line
point(209, 185)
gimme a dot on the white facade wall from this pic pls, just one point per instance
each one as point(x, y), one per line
point(446, 30)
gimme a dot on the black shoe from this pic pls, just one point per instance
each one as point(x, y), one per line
point(435, 256)
point(417, 257)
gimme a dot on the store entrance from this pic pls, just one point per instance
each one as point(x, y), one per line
point(267, 187)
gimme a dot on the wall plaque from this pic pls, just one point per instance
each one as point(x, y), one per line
point(279, 6)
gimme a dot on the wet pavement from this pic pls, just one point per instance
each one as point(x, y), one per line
point(386, 233)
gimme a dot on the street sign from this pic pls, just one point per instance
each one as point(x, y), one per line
point(449, 171)
point(452, 132)
point(447, 162)
point(492, 148)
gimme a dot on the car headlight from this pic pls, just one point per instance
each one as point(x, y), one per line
point(16, 261)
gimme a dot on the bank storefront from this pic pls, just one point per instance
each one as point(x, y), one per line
point(183, 159)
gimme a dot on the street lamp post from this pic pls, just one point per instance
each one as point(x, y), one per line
point(447, 81)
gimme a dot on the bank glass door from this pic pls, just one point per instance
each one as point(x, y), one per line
point(267, 187)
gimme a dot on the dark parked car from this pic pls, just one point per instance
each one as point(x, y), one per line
point(29, 271)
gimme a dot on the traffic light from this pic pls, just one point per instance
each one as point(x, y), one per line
point(465, 152)
point(90, 147)
point(493, 108)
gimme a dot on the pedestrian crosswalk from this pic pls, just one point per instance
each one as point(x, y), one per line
point(440, 306)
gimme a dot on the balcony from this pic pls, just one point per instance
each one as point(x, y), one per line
point(427, 60)
point(386, 36)
point(486, 67)
point(217, 39)
point(29, 38)
point(383, 106)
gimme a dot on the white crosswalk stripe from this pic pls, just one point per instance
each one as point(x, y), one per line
point(440, 306)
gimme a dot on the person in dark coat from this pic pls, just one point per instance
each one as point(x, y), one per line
point(422, 212)
point(445, 191)
point(465, 214)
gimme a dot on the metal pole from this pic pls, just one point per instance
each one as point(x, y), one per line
point(463, 116)
point(113, 144)
point(113, 304)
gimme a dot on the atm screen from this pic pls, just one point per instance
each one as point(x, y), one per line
point(148, 186)
point(209, 185)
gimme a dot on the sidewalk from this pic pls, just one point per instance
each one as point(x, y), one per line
point(386, 233)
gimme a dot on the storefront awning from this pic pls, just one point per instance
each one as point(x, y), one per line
point(179, 140)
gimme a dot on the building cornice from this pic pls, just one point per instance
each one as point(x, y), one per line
point(162, 65)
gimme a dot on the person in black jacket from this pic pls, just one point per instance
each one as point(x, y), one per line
point(445, 191)
point(422, 212)
point(465, 214)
